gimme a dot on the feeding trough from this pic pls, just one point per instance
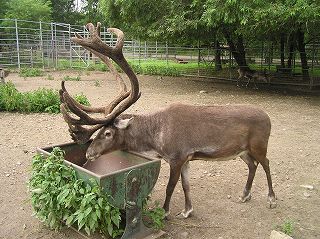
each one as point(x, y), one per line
point(127, 177)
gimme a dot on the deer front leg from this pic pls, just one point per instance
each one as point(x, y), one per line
point(271, 195)
point(186, 189)
point(175, 169)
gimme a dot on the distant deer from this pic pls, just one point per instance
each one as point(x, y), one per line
point(251, 75)
point(3, 74)
point(179, 133)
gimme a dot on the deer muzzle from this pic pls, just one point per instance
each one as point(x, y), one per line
point(92, 155)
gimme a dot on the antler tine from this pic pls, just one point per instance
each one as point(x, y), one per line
point(120, 37)
point(123, 101)
point(78, 133)
point(103, 51)
point(83, 107)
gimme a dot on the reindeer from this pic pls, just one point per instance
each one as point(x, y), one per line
point(3, 74)
point(179, 133)
point(251, 75)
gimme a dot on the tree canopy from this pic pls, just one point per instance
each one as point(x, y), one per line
point(292, 23)
point(236, 22)
point(31, 10)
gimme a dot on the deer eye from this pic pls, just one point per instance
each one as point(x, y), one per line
point(107, 134)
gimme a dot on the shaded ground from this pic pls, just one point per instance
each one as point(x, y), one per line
point(294, 155)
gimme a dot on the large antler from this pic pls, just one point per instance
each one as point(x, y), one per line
point(124, 100)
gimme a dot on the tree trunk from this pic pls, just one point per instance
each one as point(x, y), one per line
point(303, 54)
point(217, 56)
point(282, 38)
point(237, 49)
point(291, 43)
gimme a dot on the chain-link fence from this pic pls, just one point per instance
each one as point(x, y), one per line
point(48, 45)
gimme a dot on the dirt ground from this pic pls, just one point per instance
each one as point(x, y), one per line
point(294, 153)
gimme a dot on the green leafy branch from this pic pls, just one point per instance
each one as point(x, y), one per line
point(58, 196)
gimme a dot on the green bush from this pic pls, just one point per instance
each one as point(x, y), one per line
point(41, 100)
point(30, 72)
point(97, 67)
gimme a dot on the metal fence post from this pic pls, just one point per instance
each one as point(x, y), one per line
point(17, 42)
point(139, 51)
point(52, 43)
point(70, 50)
point(31, 56)
point(145, 50)
point(41, 44)
point(167, 53)
point(156, 49)
point(55, 45)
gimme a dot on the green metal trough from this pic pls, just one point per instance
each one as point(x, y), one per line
point(127, 177)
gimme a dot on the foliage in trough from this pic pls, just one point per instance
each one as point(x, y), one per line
point(58, 196)
point(41, 100)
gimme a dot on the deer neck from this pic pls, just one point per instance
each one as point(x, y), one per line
point(142, 134)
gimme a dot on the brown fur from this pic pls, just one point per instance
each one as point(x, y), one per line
point(181, 133)
point(251, 75)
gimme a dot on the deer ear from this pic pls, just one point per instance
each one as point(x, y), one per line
point(122, 123)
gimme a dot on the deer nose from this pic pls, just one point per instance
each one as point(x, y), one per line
point(91, 155)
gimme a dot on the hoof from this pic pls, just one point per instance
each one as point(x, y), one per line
point(167, 215)
point(184, 213)
point(245, 198)
point(272, 202)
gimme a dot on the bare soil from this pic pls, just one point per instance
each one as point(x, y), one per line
point(294, 153)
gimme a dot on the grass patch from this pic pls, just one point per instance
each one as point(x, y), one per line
point(50, 77)
point(70, 78)
point(97, 83)
point(41, 100)
point(31, 72)
point(145, 67)
point(287, 227)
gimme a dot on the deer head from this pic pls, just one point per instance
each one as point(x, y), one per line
point(83, 126)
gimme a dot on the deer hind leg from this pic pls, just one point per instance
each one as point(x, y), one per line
point(175, 170)
point(255, 85)
point(186, 189)
point(239, 80)
point(248, 82)
point(271, 195)
point(252, 165)
point(259, 155)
